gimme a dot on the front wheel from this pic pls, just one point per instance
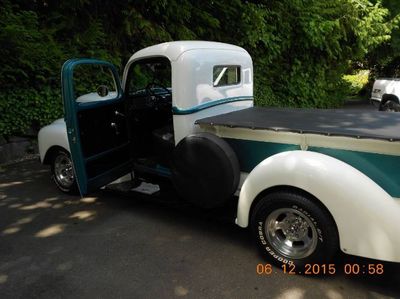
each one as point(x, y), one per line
point(291, 228)
point(390, 106)
point(63, 173)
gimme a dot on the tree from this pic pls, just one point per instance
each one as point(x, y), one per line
point(384, 61)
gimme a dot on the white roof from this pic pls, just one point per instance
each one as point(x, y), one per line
point(172, 50)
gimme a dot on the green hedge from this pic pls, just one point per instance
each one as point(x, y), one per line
point(23, 108)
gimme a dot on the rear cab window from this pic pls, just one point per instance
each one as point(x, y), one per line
point(224, 75)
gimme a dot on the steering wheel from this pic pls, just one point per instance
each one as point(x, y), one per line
point(158, 99)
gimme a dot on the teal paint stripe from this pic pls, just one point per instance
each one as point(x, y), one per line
point(163, 171)
point(250, 153)
point(178, 111)
point(382, 169)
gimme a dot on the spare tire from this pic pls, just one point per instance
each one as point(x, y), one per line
point(205, 170)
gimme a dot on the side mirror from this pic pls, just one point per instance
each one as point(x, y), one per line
point(102, 90)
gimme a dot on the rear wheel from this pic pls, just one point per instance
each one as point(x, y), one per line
point(290, 227)
point(63, 173)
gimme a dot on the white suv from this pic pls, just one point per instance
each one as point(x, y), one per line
point(386, 93)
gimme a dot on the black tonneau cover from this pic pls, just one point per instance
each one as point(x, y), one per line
point(349, 123)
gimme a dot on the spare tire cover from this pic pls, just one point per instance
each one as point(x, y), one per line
point(205, 170)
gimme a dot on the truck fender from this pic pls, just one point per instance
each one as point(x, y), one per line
point(367, 217)
point(390, 97)
point(52, 136)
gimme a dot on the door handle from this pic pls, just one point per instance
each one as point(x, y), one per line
point(117, 113)
point(115, 127)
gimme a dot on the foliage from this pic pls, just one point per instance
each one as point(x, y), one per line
point(26, 75)
point(384, 61)
point(357, 82)
point(25, 107)
point(317, 41)
point(301, 48)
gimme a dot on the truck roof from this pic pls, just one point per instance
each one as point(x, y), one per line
point(172, 50)
point(336, 122)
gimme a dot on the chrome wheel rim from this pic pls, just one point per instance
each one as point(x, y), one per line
point(63, 170)
point(291, 233)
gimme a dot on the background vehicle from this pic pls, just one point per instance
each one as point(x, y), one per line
point(308, 181)
point(386, 94)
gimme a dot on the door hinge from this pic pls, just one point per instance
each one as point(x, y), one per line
point(71, 131)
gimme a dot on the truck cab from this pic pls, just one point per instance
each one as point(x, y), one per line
point(115, 127)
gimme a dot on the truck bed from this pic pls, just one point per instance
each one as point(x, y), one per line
point(336, 122)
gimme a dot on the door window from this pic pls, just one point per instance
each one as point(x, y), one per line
point(149, 76)
point(93, 83)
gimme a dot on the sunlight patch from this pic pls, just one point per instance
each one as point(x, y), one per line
point(89, 199)
point(11, 230)
point(24, 220)
point(295, 293)
point(38, 205)
point(4, 185)
point(51, 199)
point(58, 206)
point(84, 215)
point(15, 205)
point(50, 231)
point(181, 291)
point(64, 266)
point(332, 294)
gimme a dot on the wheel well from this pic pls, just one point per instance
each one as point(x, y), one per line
point(300, 191)
point(390, 97)
point(50, 152)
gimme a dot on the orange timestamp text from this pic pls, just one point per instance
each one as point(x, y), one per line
point(323, 269)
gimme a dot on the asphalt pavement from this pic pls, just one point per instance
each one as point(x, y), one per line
point(110, 245)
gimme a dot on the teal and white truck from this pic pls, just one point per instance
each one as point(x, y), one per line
point(307, 182)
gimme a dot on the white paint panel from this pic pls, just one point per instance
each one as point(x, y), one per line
point(54, 134)
point(192, 77)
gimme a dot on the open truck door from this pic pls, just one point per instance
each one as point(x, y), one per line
point(96, 124)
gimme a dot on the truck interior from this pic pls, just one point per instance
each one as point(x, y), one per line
point(149, 106)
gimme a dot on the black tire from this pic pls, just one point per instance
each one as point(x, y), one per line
point(390, 106)
point(69, 185)
point(308, 221)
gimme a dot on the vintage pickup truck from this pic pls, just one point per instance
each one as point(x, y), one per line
point(308, 182)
